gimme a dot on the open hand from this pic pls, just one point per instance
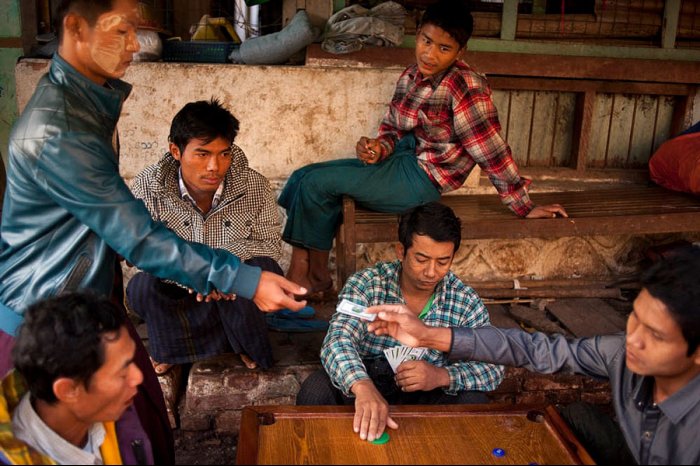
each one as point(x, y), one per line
point(276, 292)
point(547, 211)
point(371, 411)
point(397, 321)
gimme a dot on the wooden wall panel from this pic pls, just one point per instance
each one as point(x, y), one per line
point(600, 131)
point(501, 100)
point(562, 148)
point(520, 125)
point(642, 137)
point(544, 128)
point(664, 120)
point(620, 127)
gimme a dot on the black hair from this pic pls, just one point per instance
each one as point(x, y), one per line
point(88, 9)
point(453, 17)
point(205, 120)
point(675, 281)
point(435, 220)
point(64, 336)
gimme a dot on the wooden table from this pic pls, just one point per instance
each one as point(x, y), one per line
point(462, 434)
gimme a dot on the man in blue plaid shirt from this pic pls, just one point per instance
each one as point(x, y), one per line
point(356, 370)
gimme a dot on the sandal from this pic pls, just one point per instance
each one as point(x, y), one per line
point(161, 368)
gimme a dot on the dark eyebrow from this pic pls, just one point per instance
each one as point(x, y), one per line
point(653, 329)
point(428, 257)
point(433, 40)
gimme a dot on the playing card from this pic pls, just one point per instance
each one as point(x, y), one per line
point(415, 354)
point(355, 310)
point(399, 354)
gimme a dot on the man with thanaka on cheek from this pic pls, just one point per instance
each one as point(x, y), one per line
point(68, 215)
point(653, 368)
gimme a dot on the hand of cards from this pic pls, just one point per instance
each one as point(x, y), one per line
point(400, 354)
point(355, 310)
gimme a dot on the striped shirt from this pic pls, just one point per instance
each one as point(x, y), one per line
point(456, 127)
point(348, 341)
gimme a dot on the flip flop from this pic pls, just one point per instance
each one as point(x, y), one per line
point(306, 312)
point(281, 324)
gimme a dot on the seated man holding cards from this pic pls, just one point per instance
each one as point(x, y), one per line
point(362, 368)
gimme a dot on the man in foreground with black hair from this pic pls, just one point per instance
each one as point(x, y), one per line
point(653, 368)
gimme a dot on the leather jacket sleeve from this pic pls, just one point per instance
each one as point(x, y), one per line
point(79, 171)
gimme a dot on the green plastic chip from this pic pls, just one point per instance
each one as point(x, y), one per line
point(381, 440)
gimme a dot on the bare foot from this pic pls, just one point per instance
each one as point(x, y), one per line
point(161, 368)
point(321, 285)
point(249, 363)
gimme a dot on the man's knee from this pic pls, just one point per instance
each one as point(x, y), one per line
point(317, 390)
point(267, 264)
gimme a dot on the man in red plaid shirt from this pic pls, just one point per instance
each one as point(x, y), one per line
point(440, 124)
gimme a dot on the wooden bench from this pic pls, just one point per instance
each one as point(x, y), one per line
point(625, 210)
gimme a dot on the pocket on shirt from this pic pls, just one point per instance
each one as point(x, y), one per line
point(436, 123)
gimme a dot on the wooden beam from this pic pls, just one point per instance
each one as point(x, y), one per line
point(526, 65)
point(669, 29)
point(509, 19)
point(517, 83)
point(11, 43)
point(682, 113)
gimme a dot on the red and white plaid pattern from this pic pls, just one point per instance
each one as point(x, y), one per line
point(456, 127)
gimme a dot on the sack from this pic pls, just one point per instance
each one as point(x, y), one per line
point(676, 164)
point(355, 26)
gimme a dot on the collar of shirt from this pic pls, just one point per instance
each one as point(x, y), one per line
point(433, 80)
point(394, 284)
point(676, 406)
point(31, 429)
point(186, 195)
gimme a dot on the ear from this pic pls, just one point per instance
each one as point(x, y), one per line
point(696, 356)
point(463, 52)
point(74, 25)
point(174, 151)
point(400, 251)
point(67, 390)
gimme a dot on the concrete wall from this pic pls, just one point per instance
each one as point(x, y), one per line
point(293, 116)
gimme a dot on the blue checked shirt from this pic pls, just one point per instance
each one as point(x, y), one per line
point(348, 341)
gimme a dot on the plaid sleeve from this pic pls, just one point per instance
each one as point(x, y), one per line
point(389, 132)
point(348, 342)
point(477, 127)
point(473, 375)
point(339, 354)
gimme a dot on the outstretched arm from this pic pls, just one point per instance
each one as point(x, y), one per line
point(397, 321)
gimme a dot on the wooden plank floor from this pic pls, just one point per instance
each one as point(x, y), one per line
point(624, 210)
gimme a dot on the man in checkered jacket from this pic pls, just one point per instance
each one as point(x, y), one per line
point(204, 190)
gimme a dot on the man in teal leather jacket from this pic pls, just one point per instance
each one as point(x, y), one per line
point(68, 215)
